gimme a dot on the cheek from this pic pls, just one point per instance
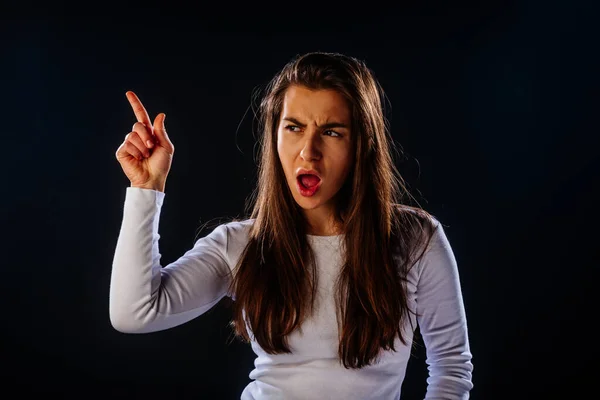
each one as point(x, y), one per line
point(280, 147)
point(345, 163)
point(278, 143)
point(283, 156)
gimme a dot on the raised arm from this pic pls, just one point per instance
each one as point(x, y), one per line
point(442, 321)
point(144, 297)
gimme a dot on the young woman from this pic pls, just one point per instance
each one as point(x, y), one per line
point(330, 274)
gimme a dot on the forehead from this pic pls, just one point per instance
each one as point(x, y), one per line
point(319, 104)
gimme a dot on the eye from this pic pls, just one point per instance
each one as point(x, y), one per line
point(291, 128)
point(332, 132)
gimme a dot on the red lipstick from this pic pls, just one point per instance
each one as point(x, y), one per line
point(305, 191)
point(308, 182)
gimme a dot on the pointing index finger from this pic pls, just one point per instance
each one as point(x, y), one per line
point(140, 112)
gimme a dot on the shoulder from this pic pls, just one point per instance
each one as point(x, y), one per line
point(238, 236)
point(227, 237)
point(415, 231)
point(238, 226)
point(416, 220)
point(229, 234)
point(233, 230)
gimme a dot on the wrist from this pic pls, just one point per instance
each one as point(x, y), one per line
point(157, 187)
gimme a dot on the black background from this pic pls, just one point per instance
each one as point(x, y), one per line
point(494, 104)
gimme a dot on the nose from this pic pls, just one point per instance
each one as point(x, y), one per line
point(310, 151)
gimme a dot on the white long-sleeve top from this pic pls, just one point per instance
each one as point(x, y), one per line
point(146, 297)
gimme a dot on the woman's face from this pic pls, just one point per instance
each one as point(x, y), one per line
point(313, 135)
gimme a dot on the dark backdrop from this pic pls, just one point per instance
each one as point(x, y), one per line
point(494, 105)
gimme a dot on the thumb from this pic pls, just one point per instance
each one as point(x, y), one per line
point(160, 131)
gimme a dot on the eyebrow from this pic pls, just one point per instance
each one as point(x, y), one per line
point(328, 125)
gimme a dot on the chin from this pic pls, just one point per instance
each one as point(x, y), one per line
point(307, 203)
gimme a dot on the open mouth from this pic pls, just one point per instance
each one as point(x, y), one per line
point(309, 181)
point(308, 184)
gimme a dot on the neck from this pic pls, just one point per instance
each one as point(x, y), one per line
point(329, 232)
point(321, 223)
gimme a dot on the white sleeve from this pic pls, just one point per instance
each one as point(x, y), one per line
point(442, 322)
point(144, 296)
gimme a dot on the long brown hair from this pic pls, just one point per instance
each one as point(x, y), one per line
point(275, 280)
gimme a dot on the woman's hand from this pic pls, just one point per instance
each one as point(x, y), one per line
point(147, 152)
